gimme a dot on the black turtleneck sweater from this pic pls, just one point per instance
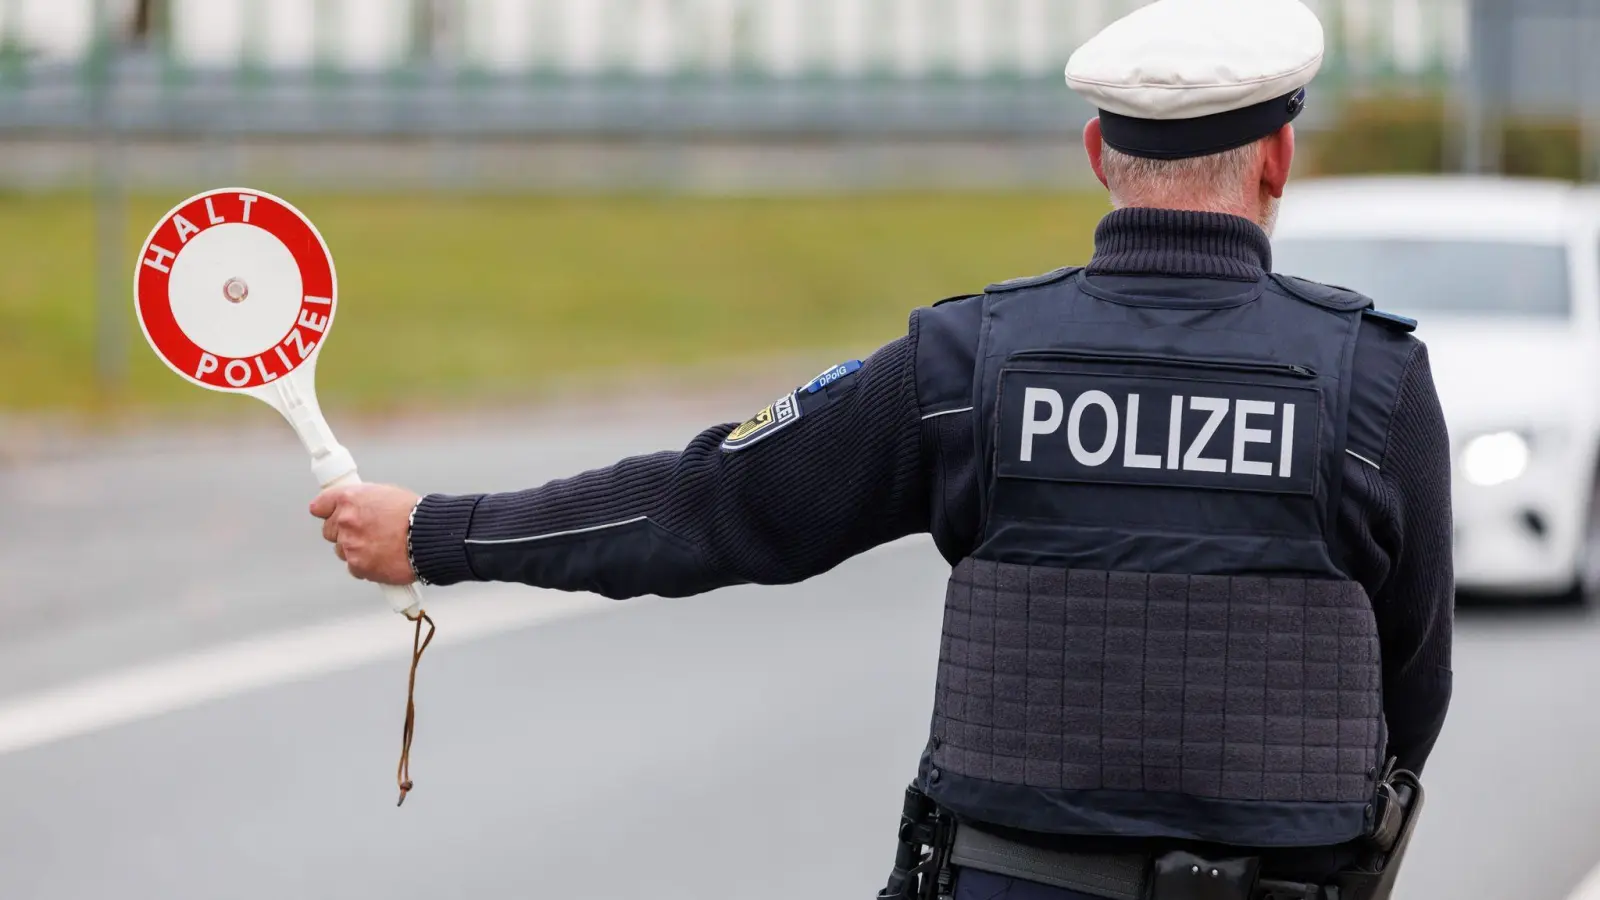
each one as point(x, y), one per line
point(877, 455)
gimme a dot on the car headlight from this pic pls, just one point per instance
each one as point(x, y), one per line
point(1491, 459)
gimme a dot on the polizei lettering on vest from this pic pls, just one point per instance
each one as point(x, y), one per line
point(1218, 407)
point(1251, 435)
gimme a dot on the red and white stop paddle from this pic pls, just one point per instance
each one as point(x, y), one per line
point(235, 290)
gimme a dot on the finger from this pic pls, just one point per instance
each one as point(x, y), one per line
point(327, 502)
point(338, 550)
point(330, 531)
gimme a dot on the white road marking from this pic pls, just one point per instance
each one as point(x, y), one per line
point(181, 682)
point(1589, 888)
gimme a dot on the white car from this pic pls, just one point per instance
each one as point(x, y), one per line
point(1504, 278)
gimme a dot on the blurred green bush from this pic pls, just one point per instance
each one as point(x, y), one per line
point(1385, 134)
point(1551, 148)
point(1421, 134)
point(451, 299)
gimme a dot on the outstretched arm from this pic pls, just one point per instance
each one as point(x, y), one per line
point(817, 478)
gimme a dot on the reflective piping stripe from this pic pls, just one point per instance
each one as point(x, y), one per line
point(948, 412)
point(1365, 460)
point(545, 537)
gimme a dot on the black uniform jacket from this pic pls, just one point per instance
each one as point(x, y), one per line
point(867, 454)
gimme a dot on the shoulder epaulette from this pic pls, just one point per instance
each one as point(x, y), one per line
point(955, 298)
point(1393, 320)
point(1328, 296)
point(1017, 284)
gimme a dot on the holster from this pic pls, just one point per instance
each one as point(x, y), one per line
point(1399, 807)
point(1400, 800)
point(922, 852)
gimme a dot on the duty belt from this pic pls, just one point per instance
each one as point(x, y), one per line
point(932, 844)
point(1127, 876)
point(1114, 876)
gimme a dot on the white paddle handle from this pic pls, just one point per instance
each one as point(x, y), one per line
point(331, 463)
point(405, 599)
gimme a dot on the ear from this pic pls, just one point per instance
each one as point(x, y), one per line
point(1278, 150)
point(1094, 144)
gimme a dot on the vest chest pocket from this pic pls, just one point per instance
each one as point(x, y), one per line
point(1129, 419)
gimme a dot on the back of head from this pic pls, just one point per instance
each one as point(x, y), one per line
point(1195, 101)
point(1220, 182)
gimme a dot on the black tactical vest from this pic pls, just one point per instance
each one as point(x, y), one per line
point(1153, 637)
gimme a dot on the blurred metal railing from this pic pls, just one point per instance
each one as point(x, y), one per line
point(531, 67)
point(460, 74)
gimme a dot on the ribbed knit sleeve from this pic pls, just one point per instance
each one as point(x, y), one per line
point(1415, 606)
point(438, 539)
point(845, 476)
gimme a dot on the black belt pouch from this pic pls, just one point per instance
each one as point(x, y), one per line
point(1184, 876)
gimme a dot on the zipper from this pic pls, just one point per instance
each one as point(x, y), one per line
point(1145, 359)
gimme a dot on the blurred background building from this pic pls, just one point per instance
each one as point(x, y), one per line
point(705, 97)
point(712, 94)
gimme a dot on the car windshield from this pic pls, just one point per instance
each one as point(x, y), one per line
point(1418, 277)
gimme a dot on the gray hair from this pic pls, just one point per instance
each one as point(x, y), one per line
point(1220, 182)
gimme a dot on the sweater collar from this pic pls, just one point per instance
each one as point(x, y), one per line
point(1142, 241)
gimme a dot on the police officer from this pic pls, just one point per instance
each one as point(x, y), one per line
point(1197, 512)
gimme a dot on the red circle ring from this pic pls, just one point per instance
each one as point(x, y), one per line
point(153, 304)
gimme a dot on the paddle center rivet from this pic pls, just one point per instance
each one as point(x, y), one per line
point(235, 290)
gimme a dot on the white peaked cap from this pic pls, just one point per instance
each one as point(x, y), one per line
point(1189, 77)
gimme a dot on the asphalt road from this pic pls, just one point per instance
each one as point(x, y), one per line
point(686, 748)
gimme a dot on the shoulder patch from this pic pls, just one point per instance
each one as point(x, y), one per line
point(1017, 284)
point(831, 375)
point(777, 416)
point(1328, 296)
point(1393, 320)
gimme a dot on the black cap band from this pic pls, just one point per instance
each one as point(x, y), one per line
point(1185, 138)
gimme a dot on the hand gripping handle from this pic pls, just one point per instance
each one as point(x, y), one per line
point(405, 599)
point(331, 463)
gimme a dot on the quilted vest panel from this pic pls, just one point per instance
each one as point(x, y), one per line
point(1153, 637)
